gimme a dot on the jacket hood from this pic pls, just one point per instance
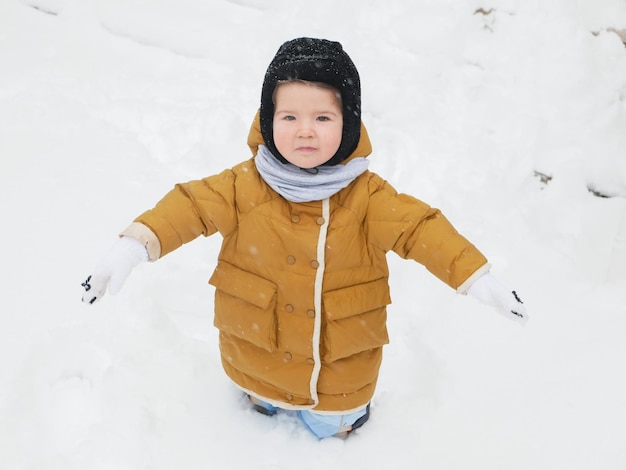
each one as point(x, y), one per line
point(255, 138)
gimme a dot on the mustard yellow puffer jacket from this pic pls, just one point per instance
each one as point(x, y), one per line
point(302, 288)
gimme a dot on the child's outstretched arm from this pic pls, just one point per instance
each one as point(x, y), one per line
point(416, 231)
point(492, 292)
point(189, 210)
point(114, 268)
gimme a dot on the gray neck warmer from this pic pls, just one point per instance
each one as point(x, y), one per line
point(300, 185)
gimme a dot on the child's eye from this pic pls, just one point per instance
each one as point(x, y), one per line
point(323, 118)
point(289, 118)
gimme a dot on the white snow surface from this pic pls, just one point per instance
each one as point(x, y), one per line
point(106, 104)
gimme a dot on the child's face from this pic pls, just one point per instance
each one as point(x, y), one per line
point(308, 123)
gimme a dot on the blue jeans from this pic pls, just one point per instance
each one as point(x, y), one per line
point(321, 425)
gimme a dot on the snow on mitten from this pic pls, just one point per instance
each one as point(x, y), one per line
point(490, 291)
point(114, 268)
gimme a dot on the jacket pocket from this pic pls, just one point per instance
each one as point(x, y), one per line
point(245, 305)
point(356, 319)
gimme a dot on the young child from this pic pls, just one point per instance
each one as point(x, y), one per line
point(302, 279)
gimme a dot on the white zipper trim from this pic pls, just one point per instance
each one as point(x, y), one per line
point(317, 299)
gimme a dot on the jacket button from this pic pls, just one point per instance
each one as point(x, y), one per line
point(311, 313)
point(315, 264)
point(288, 356)
point(288, 396)
point(289, 308)
point(291, 259)
point(310, 361)
point(295, 218)
point(320, 221)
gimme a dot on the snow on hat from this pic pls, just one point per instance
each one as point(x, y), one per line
point(315, 60)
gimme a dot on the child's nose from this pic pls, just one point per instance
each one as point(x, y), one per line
point(305, 130)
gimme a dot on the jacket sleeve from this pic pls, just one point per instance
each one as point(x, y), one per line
point(200, 207)
point(416, 231)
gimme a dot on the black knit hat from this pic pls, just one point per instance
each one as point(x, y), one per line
point(315, 60)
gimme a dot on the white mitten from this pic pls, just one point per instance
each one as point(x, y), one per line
point(490, 291)
point(114, 268)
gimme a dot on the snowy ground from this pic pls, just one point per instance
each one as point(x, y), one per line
point(105, 104)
